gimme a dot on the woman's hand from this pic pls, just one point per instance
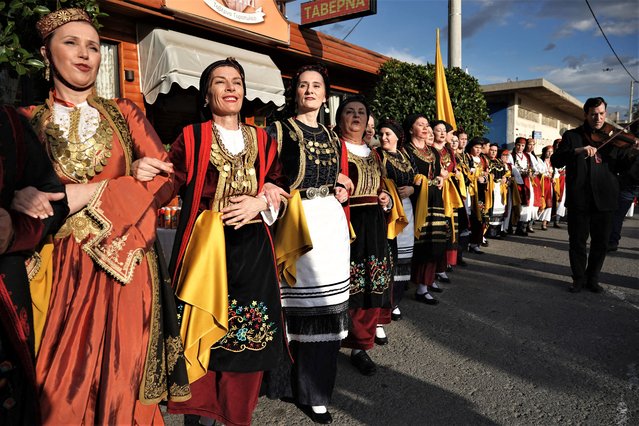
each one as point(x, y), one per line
point(341, 194)
point(504, 180)
point(34, 203)
point(444, 173)
point(272, 194)
point(384, 200)
point(79, 195)
point(439, 182)
point(405, 191)
point(344, 180)
point(145, 169)
point(242, 209)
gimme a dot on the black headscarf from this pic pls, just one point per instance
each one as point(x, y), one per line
point(395, 127)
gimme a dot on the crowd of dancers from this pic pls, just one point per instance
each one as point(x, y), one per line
point(294, 241)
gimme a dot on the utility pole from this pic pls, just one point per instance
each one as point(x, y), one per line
point(454, 33)
point(632, 87)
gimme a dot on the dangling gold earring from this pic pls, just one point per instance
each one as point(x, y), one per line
point(47, 70)
point(206, 103)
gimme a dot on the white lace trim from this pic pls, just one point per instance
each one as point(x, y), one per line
point(233, 140)
point(89, 120)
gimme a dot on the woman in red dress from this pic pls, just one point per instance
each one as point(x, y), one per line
point(102, 344)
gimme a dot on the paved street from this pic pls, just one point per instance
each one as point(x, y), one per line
point(506, 345)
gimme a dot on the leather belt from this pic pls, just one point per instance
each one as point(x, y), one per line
point(321, 192)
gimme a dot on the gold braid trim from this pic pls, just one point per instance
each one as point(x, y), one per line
point(369, 174)
point(161, 357)
point(107, 256)
point(108, 108)
point(33, 265)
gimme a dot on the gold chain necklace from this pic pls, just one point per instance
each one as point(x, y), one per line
point(399, 162)
point(236, 172)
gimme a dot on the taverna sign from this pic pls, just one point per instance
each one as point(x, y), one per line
point(322, 12)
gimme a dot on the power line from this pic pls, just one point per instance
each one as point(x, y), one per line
point(354, 26)
point(608, 41)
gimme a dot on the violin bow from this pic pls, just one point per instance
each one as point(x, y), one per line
point(618, 132)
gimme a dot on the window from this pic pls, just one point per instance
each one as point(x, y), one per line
point(107, 83)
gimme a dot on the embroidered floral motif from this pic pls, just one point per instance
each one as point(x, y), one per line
point(372, 275)
point(78, 225)
point(249, 328)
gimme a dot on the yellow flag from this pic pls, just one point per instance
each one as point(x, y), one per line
point(442, 98)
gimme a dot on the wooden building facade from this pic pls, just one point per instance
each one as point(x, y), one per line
point(160, 47)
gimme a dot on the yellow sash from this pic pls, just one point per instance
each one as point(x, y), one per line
point(292, 239)
point(490, 193)
point(421, 209)
point(40, 287)
point(203, 287)
point(452, 201)
point(462, 186)
point(396, 219)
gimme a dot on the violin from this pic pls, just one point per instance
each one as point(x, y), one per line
point(609, 134)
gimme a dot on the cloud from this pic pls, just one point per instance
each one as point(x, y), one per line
point(632, 63)
point(490, 12)
point(405, 56)
point(617, 18)
point(549, 46)
point(588, 79)
point(575, 61)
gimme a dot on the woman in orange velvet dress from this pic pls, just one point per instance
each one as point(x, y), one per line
point(102, 350)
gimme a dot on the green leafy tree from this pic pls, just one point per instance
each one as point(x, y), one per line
point(404, 89)
point(19, 41)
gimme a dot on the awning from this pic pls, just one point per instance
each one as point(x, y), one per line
point(168, 57)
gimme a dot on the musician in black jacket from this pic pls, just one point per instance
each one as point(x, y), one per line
point(591, 193)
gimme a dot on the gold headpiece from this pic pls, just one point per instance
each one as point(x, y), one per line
point(49, 23)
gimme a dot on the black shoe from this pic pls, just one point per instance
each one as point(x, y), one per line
point(575, 287)
point(531, 230)
point(503, 234)
point(475, 250)
point(363, 363)
point(556, 225)
point(422, 298)
point(595, 288)
point(462, 262)
point(521, 233)
point(449, 268)
point(381, 341)
point(323, 418)
point(442, 279)
point(484, 244)
point(396, 317)
point(435, 289)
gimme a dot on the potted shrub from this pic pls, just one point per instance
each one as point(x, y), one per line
point(19, 41)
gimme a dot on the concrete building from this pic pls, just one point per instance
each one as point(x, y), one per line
point(530, 108)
